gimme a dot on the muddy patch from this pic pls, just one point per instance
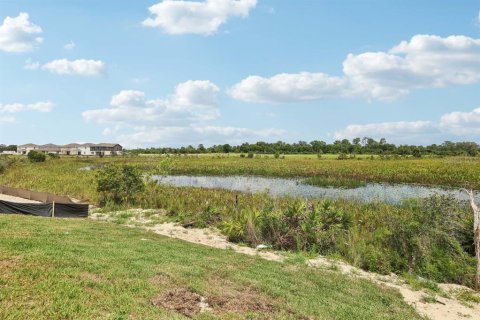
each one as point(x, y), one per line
point(180, 300)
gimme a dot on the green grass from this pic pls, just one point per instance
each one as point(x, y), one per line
point(81, 269)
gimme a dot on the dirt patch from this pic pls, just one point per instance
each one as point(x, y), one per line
point(180, 300)
point(244, 301)
point(9, 264)
point(90, 276)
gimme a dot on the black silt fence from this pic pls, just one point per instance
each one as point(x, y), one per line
point(61, 210)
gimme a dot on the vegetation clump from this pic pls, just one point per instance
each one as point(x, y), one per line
point(35, 156)
point(119, 184)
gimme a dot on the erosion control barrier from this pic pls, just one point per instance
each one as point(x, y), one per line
point(44, 197)
point(51, 205)
point(59, 210)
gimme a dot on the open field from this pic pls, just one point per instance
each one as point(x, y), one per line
point(458, 172)
point(82, 269)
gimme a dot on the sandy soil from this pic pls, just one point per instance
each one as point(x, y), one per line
point(4, 197)
point(443, 309)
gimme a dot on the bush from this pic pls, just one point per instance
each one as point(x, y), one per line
point(250, 154)
point(342, 156)
point(277, 155)
point(35, 156)
point(119, 184)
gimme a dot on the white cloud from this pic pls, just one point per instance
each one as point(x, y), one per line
point(183, 118)
point(18, 34)
point(81, 67)
point(7, 110)
point(461, 124)
point(193, 101)
point(205, 17)
point(286, 87)
point(19, 107)
point(423, 62)
point(69, 46)
point(31, 65)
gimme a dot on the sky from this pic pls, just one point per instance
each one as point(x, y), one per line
point(175, 73)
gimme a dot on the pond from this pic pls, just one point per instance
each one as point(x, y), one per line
point(389, 193)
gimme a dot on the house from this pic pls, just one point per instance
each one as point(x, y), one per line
point(70, 149)
point(74, 149)
point(50, 148)
point(26, 148)
point(101, 149)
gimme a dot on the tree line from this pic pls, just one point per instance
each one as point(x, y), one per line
point(345, 146)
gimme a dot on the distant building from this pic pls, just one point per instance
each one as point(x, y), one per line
point(86, 149)
point(26, 148)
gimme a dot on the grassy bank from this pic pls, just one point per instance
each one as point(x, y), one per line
point(80, 269)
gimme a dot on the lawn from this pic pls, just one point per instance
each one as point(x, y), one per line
point(82, 269)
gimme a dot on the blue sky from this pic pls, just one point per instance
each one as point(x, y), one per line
point(169, 73)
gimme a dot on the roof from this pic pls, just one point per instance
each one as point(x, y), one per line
point(70, 145)
point(28, 145)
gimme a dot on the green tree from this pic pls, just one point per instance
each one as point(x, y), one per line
point(119, 184)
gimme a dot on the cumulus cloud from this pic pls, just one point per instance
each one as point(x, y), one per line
point(7, 110)
point(182, 118)
point(460, 124)
point(81, 67)
point(193, 101)
point(193, 17)
point(425, 61)
point(18, 34)
point(286, 87)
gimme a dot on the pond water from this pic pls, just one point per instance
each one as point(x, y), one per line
point(389, 193)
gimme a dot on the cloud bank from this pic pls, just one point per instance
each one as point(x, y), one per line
point(425, 61)
point(185, 117)
point(460, 124)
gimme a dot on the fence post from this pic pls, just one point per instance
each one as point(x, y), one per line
point(53, 209)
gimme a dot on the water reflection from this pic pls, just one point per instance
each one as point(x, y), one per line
point(389, 193)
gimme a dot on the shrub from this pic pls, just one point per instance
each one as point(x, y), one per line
point(277, 155)
point(250, 154)
point(342, 156)
point(119, 184)
point(35, 156)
